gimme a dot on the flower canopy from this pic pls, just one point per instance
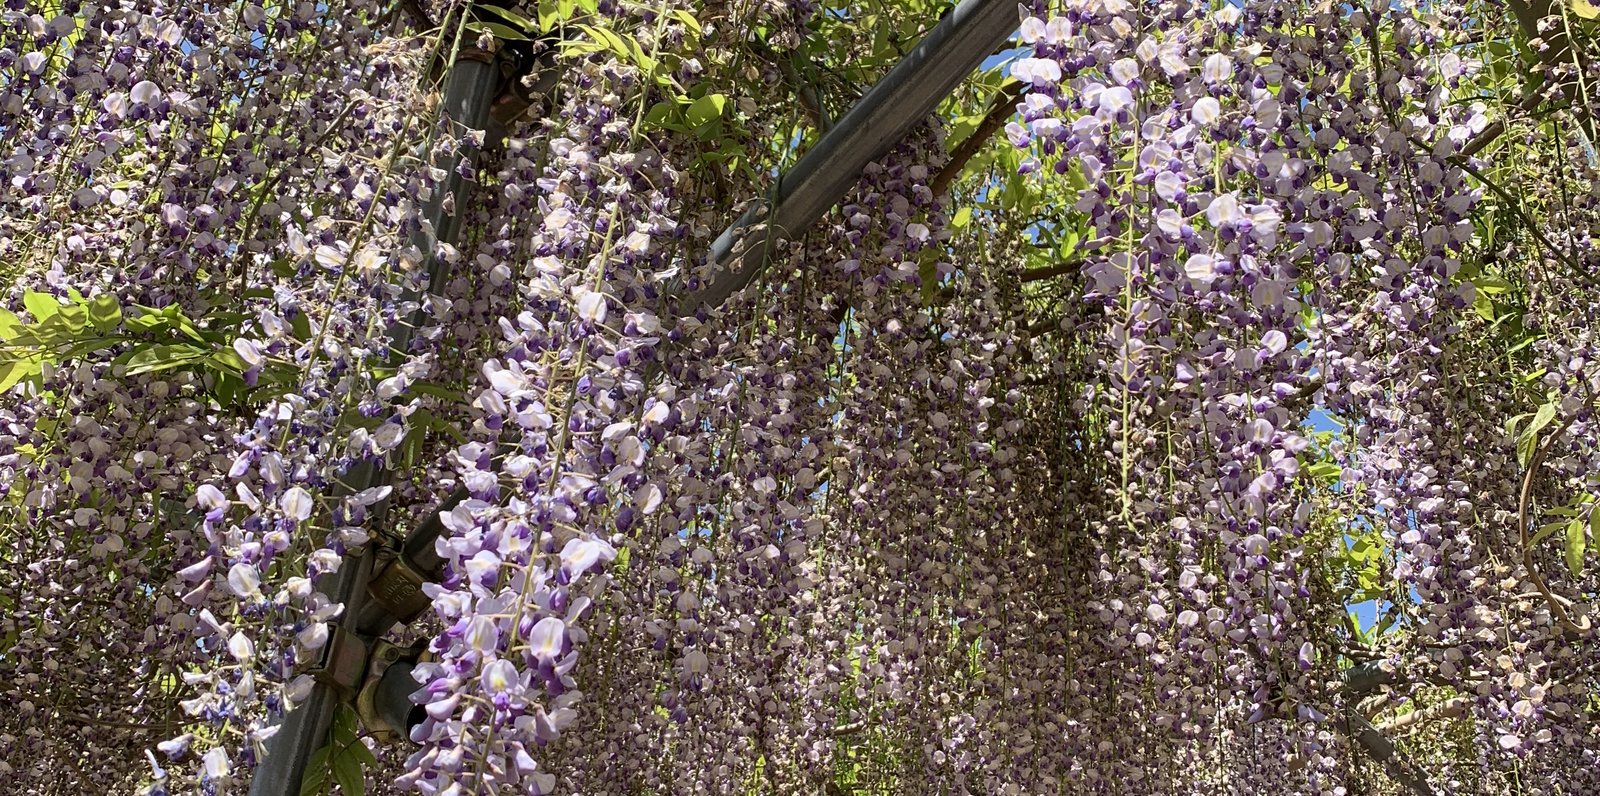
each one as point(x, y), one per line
point(1202, 400)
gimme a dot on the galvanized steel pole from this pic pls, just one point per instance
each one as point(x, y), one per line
point(470, 88)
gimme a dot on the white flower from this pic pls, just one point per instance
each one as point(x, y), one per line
point(482, 634)
point(249, 351)
point(1223, 210)
point(592, 307)
point(557, 218)
point(296, 504)
point(369, 260)
point(1125, 71)
point(115, 104)
point(217, 765)
point(244, 581)
point(580, 555)
point(1116, 99)
point(209, 497)
point(648, 498)
point(1032, 30)
point(241, 647)
point(1170, 223)
point(329, 257)
point(696, 662)
point(1173, 63)
point(547, 638)
point(1205, 111)
point(1201, 268)
point(1275, 342)
point(499, 677)
point(1216, 69)
point(145, 92)
point(1039, 72)
point(1167, 185)
point(1058, 31)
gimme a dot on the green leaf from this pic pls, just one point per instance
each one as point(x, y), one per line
point(689, 21)
point(344, 724)
point(347, 768)
point(1545, 531)
point(961, 127)
point(554, 13)
point(1584, 9)
point(75, 317)
point(962, 217)
point(182, 322)
point(497, 30)
point(1491, 284)
point(705, 110)
point(316, 775)
point(1526, 445)
point(10, 324)
point(52, 332)
point(1577, 544)
point(1511, 425)
point(1325, 471)
point(163, 357)
point(1484, 306)
point(1360, 549)
point(41, 305)
point(1524, 343)
point(1528, 442)
point(147, 320)
point(16, 370)
point(229, 360)
point(663, 115)
point(608, 40)
point(104, 312)
point(519, 21)
point(363, 754)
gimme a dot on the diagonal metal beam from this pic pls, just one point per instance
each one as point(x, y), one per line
point(891, 109)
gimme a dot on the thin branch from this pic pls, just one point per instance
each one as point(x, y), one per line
point(1048, 271)
point(1516, 207)
point(1448, 709)
point(1400, 768)
point(1043, 326)
point(849, 729)
point(1005, 106)
point(1556, 608)
point(1496, 128)
point(419, 15)
point(1556, 54)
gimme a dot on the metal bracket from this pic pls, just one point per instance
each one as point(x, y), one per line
point(343, 663)
point(398, 587)
point(383, 703)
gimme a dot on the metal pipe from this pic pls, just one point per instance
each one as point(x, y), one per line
point(470, 88)
point(891, 109)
